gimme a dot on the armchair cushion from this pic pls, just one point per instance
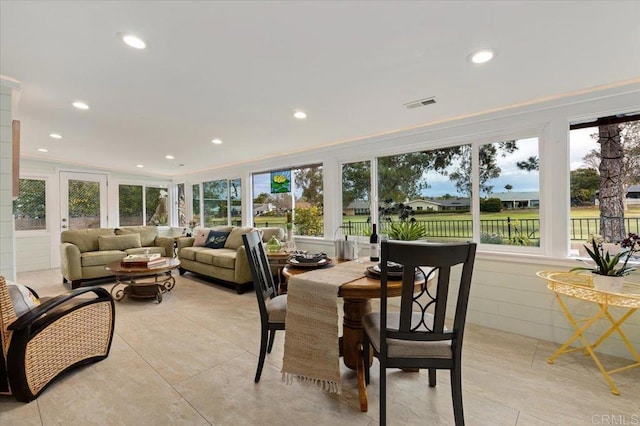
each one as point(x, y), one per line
point(118, 242)
point(21, 298)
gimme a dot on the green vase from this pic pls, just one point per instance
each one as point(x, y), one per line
point(273, 245)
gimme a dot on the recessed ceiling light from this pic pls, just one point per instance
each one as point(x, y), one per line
point(139, 166)
point(80, 105)
point(43, 150)
point(216, 141)
point(482, 56)
point(133, 41)
point(300, 115)
point(169, 157)
point(55, 136)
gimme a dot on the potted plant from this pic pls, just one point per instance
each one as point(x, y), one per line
point(609, 270)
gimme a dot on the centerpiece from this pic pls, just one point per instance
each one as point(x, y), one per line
point(609, 270)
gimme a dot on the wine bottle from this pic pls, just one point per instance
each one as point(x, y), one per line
point(374, 247)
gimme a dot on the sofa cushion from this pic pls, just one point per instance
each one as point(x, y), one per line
point(99, 258)
point(148, 234)
point(216, 239)
point(189, 253)
point(201, 235)
point(150, 250)
point(118, 242)
point(234, 240)
point(270, 232)
point(85, 239)
point(21, 298)
point(223, 258)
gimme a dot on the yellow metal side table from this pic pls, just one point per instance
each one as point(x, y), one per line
point(580, 286)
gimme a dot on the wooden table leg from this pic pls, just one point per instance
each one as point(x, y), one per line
point(352, 332)
point(362, 385)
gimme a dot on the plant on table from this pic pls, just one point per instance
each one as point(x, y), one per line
point(606, 263)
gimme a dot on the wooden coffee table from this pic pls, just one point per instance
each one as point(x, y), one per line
point(158, 280)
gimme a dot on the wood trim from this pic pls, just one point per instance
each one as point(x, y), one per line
point(15, 130)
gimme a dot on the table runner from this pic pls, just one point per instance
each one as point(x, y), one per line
point(311, 351)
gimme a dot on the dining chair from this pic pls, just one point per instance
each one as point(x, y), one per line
point(42, 342)
point(273, 307)
point(416, 336)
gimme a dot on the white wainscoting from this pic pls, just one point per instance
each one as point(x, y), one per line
point(33, 252)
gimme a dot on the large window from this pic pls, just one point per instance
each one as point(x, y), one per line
point(428, 194)
point(604, 180)
point(214, 202)
point(142, 205)
point(29, 209)
point(296, 191)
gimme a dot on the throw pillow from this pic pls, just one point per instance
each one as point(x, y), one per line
point(201, 235)
point(216, 239)
point(21, 298)
point(118, 242)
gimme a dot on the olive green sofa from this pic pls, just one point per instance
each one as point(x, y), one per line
point(84, 253)
point(228, 265)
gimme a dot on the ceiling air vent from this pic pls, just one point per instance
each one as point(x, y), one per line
point(420, 103)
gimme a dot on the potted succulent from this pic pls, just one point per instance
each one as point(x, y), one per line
point(609, 270)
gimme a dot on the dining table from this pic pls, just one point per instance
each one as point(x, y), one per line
point(356, 293)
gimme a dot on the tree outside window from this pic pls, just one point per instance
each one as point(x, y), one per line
point(130, 205)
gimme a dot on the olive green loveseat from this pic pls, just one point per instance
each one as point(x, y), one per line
point(84, 253)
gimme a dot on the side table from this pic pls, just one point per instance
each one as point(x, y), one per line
point(580, 286)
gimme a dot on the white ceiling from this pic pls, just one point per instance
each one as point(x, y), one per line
point(238, 70)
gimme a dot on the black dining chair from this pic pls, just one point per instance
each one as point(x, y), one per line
point(416, 336)
point(273, 308)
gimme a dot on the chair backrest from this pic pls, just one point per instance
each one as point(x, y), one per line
point(260, 271)
point(416, 258)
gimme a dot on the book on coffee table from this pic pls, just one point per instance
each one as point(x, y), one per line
point(142, 260)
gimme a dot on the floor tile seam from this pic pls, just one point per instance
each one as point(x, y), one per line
point(209, 367)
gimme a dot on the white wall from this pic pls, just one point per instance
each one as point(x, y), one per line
point(6, 184)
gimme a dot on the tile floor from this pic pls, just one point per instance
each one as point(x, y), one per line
point(191, 360)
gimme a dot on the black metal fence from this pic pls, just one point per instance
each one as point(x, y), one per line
point(580, 228)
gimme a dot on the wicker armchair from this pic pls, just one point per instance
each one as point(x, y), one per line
point(52, 338)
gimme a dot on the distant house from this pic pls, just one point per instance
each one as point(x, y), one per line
point(451, 204)
point(260, 209)
point(633, 196)
point(357, 208)
point(518, 200)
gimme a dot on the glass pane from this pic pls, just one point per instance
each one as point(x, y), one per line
point(619, 215)
point(130, 205)
point(214, 196)
point(156, 206)
point(84, 204)
point(426, 194)
point(235, 197)
point(195, 206)
point(308, 215)
point(268, 209)
point(510, 193)
point(356, 199)
point(29, 209)
point(182, 207)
